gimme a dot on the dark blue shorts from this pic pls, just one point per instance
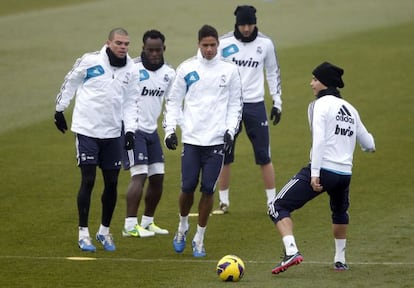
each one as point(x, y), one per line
point(207, 160)
point(147, 150)
point(106, 153)
point(255, 122)
point(298, 191)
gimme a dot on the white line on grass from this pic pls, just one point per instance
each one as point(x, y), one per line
point(186, 260)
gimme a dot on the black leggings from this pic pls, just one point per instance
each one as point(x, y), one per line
point(108, 198)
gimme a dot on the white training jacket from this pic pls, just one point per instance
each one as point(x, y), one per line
point(253, 58)
point(105, 96)
point(154, 86)
point(336, 127)
point(205, 100)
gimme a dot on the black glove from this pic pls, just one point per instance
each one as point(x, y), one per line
point(276, 114)
point(171, 141)
point(60, 121)
point(129, 140)
point(228, 142)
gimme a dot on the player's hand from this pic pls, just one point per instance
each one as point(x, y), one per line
point(275, 115)
point(129, 140)
point(171, 141)
point(228, 142)
point(316, 186)
point(60, 122)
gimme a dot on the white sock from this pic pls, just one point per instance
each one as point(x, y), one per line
point(224, 197)
point(290, 244)
point(83, 232)
point(199, 236)
point(270, 194)
point(146, 220)
point(183, 225)
point(340, 245)
point(103, 230)
point(130, 222)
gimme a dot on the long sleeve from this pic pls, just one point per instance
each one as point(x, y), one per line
point(364, 138)
point(130, 105)
point(174, 102)
point(318, 124)
point(273, 75)
point(73, 80)
point(235, 104)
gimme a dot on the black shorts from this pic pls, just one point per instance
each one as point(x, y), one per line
point(204, 160)
point(298, 191)
point(106, 153)
point(255, 122)
point(147, 150)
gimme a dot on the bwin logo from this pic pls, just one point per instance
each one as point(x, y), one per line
point(152, 92)
point(344, 115)
point(246, 63)
point(343, 131)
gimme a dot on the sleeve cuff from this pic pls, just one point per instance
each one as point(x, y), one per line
point(59, 108)
point(315, 172)
point(277, 102)
point(168, 132)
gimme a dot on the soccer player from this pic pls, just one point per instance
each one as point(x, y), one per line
point(146, 160)
point(253, 52)
point(209, 118)
point(106, 84)
point(336, 127)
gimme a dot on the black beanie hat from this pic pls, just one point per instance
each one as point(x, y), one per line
point(245, 15)
point(329, 75)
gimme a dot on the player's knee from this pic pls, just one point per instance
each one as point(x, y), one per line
point(277, 211)
point(340, 213)
point(189, 187)
point(229, 158)
point(340, 218)
point(88, 183)
point(262, 157)
point(207, 189)
point(156, 178)
point(88, 177)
